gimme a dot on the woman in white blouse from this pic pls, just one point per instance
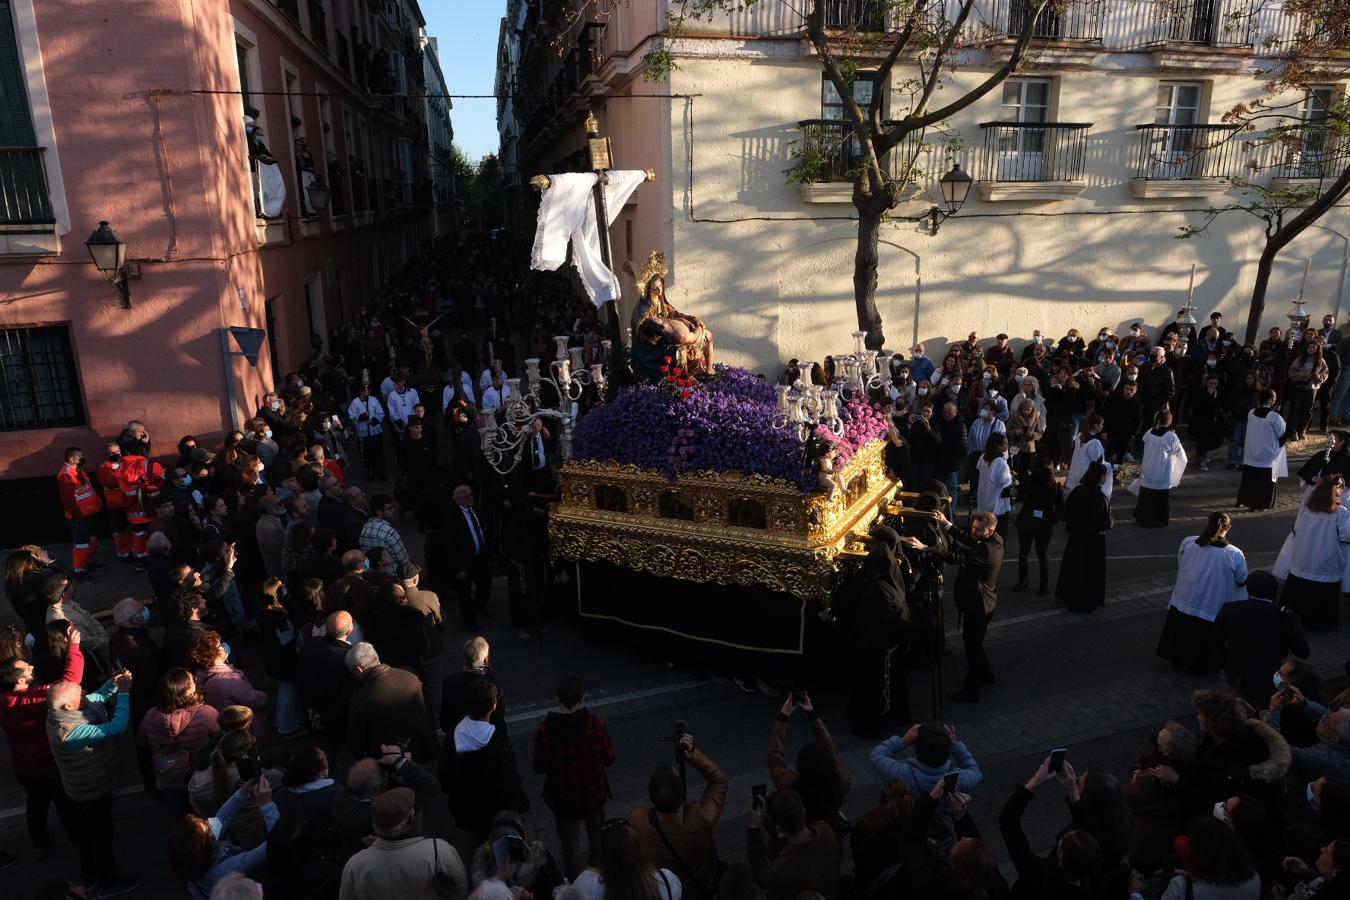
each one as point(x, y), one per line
point(995, 481)
point(1313, 558)
point(626, 870)
point(1210, 573)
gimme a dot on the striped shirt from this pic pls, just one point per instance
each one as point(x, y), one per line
point(979, 432)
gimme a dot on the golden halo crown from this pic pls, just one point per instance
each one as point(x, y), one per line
point(656, 265)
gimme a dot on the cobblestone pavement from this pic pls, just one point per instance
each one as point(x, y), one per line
point(1089, 682)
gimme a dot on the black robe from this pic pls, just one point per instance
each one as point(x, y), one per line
point(1082, 575)
point(879, 698)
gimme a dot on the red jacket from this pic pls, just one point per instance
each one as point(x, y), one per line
point(78, 497)
point(136, 473)
point(572, 752)
point(106, 474)
point(23, 716)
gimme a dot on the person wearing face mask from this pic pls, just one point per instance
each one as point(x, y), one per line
point(1304, 380)
point(920, 366)
point(1207, 418)
point(114, 504)
point(1097, 345)
point(1071, 347)
point(923, 441)
point(985, 426)
point(1136, 341)
point(81, 504)
point(272, 409)
point(1037, 340)
point(1254, 636)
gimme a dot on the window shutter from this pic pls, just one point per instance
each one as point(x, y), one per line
point(16, 121)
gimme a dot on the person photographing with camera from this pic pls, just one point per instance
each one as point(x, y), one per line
point(677, 834)
point(83, 737)
point(979, 555)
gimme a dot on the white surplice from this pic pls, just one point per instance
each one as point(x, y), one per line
point(1262, 448)
point(1207, 578)
point(1317, 547)
point(1083, 456)
point(1163, 464)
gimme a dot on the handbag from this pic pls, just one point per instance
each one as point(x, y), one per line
point(442, 885)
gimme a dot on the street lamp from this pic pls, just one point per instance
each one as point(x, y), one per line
point(955, 186)
point(110, 256)
point(318, 194)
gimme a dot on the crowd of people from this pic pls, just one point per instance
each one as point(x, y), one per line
point(298, 698)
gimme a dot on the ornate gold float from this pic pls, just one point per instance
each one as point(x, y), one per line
point(718, 527)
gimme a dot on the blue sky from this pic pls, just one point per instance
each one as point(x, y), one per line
point(466, 34)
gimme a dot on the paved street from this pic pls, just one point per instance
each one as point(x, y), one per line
point(1087, 682)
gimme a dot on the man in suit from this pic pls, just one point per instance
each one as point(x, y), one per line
point(538, 452)
point(325, 684)
point(355, 512)
point(979, 554)
point(1254, 637)
point(387, 708)
point(464, 546)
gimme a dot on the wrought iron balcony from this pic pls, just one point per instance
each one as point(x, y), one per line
point(24, 197)
point(1076, 20)
point(855, 15)
point(843, 153)
point(1188, 152)
point(1312, 151)
point(1034, 151)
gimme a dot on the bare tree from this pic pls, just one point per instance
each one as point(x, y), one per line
point(912, 37)
point(1296, 131)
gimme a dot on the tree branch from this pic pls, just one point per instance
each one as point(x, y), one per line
point(815, 30)
point(1019, 50)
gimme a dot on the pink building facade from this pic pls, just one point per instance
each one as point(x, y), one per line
point(134, 113)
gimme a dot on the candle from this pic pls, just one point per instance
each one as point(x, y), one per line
point(1190, 290)
point(561, 341)
point(1307, 264)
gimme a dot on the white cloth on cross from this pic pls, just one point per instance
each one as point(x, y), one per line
point(567, 214)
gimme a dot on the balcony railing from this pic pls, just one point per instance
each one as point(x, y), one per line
point(843, 153)
point(1312, 151)
point(290, 8)
point(1076, 20)
point(1184, 152)
point(24, 198)
point(1039, 151)
point(1208, 23)
point(855, 15)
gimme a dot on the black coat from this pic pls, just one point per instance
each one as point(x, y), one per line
point(1156, 386)
point(951, 449)
point(482, 782)
point(976, 588)
point(1036, 496)
point(454, 702)
point(399, 634)
point(177, 643)
point(388, 709)
point(278, 637)
point(325, 683)
point(1253, 637)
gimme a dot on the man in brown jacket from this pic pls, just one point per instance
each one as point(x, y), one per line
point(678, 835)
point(807, 860)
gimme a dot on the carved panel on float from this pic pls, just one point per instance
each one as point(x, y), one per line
point(718, 527)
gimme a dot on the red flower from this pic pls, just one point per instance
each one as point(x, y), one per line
point(665, 368)
point(679, 371)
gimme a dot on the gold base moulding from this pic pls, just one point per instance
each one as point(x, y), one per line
point(719, 527)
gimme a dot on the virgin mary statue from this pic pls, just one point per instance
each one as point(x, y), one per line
point(660, 330)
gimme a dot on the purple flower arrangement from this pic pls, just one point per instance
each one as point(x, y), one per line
point(863, 423)
point(722, 426)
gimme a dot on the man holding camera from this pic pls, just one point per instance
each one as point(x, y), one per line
point(979, 555)
point(677, 834)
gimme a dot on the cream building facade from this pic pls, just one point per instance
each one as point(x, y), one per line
point(1084, 163)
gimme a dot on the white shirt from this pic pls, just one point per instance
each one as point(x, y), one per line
point(401, 406)
point(538, 452)
point(370, 407)
point(475, 527)
point(493, 398)
point(1317, 547)
point(1164, 461)
point(1207, 578)
point(1083, 456)
point(994, 477)
point(1262, 448)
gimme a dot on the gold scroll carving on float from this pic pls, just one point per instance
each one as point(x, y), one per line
point(719, 527)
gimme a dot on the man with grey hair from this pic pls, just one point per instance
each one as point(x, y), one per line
point(83, 737)
point(134, 439)
point(324, 681)
point(1330, 756)
point(387, 708)
point(455, 688)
